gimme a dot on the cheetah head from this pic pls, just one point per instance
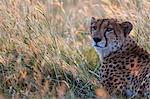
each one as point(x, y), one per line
point(108, 35)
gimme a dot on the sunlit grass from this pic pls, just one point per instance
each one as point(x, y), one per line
point(45, 44)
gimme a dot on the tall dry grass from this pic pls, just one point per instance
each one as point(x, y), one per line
point(45, 44)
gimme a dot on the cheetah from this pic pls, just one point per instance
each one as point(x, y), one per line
point(125, 67)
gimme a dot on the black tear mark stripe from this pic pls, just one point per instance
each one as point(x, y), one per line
point(115, 33)
point(105, 35)
point(105, 40)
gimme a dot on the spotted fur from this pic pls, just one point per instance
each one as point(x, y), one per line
point(125, 67)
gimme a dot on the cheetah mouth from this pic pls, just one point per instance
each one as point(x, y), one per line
point(98, 46)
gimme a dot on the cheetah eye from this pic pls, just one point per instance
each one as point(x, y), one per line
point(109, 29)
point(94, 27)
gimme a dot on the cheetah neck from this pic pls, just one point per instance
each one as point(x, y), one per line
point(128, 45)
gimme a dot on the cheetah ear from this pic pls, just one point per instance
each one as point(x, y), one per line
point(126, 27)
point(93, 20)
point(93, 24)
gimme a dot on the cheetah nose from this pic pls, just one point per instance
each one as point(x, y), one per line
point(96, 39)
